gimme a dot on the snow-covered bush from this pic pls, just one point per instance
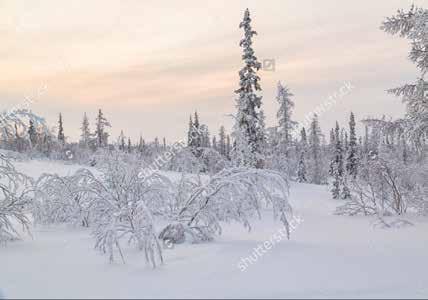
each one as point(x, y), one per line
point(212, 161)
point(120, 208)
point(16, 193)
point(185, 161)
point(386, 186)
point(233, 194)
point(62, 200)
point(117, 204)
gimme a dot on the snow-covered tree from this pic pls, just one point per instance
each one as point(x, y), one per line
point(32, 134)
point(337, 165)
point(228, 147)
point(61, 136)
point(190, 132)
point(285, 124)
point(412, 25)
point(197, 132)
point(121, 141)
point(14, 129)
point(129, 148)
point(85, 136)
point(247, 150)
point(101, 134)
point(314, 153)
point(214, 143)
point(16, 194)
point(222, 141)
point(141, 145)
point(204, 136)
point(301, 167)
point(352, 158)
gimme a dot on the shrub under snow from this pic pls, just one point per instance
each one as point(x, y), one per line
point(15, 198)
point(232, 194)
point(121, 206)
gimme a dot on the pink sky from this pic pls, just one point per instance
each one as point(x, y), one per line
point(148, 64)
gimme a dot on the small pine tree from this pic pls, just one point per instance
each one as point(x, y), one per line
point(228, 147)
point(129, 145)
point(352, 159)
point(346, 193)
point(285, 124)
point(85, 136)
point(32, 134)
point(156, 142)
point(197, 132)
point(222, 141)
point(405, 151)
point(214, 143)
point(332, 150)
point(315, 151)
point(100, 132)
point(61, 137)
point(204, 136)
point(301, 168)
point(366, 140)
point(121, 141)
point(190, 132)
point(141, 145)
point(337, 165)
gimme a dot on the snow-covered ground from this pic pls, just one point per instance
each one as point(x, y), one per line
point(327, 256)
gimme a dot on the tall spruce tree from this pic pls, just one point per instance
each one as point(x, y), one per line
point(197, 132)
point(337, 165)
point(222, 141)
point(190, 138)
point(129, 149)
point(286, 124)
point(61, 136)
point(315, 151)
point(141, 144)
point(101, 134)
point(85, 135)
point(331, 148)
point(228, 147)
point(247, 150)
point(352, 159)
point(301, 168)
point(121, 141)
point(32, 134)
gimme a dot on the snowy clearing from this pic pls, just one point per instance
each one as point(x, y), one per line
point(327, 256)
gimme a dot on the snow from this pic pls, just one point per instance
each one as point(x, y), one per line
point(327, 256)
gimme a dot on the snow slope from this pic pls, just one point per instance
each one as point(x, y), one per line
point(327, 256)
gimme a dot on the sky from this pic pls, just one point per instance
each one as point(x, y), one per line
point(149, 64)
